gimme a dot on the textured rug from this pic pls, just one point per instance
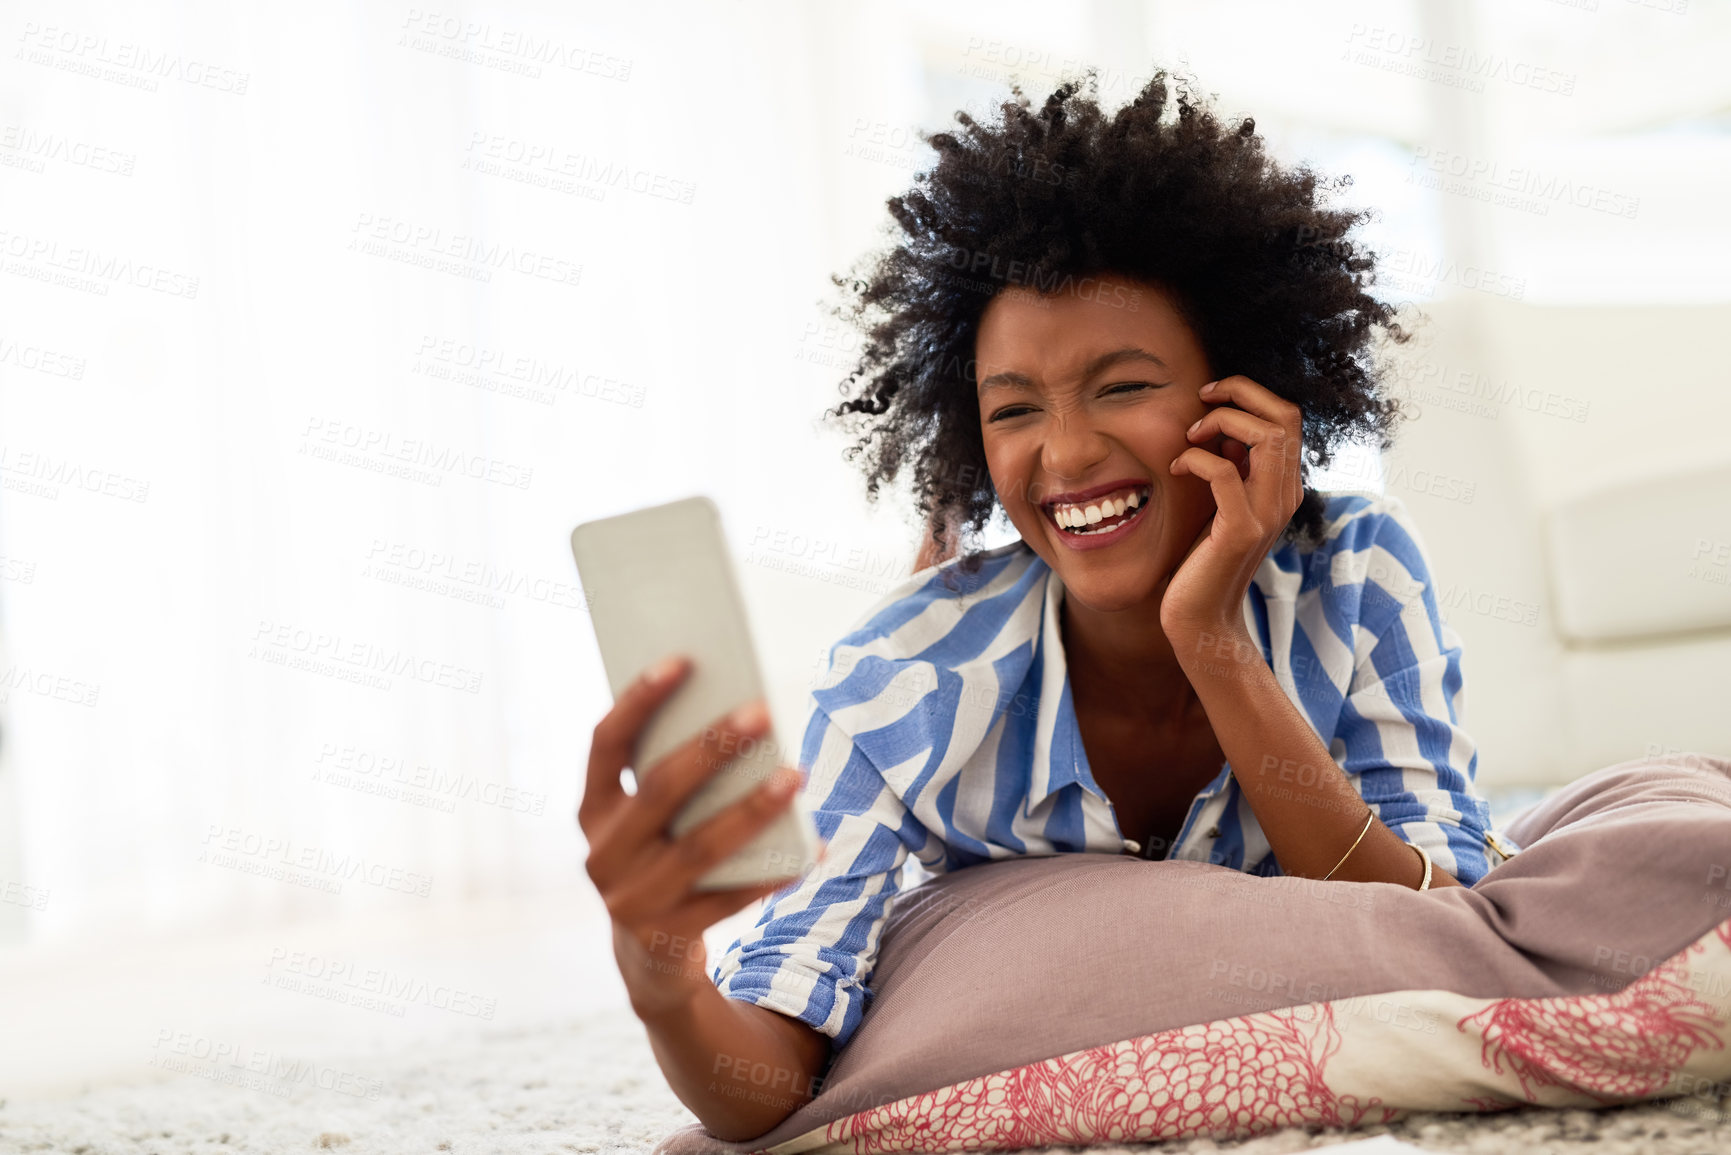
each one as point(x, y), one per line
point(592, 1086)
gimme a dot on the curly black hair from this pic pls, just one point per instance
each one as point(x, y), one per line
point(1249, 253)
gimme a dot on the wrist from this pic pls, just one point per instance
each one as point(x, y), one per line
point(672, 1010)
point(1213, 648)
point(664, 979)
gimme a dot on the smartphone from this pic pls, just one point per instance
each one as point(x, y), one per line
point(660, 581)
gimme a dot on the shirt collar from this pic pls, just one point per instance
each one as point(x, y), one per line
point(1058, 750)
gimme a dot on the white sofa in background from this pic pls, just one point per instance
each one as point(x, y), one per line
point(1571, 475)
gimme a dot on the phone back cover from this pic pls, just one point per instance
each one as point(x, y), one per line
point(657, 581)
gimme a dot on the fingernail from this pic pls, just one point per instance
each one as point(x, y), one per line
point(1194, 427)
point(775, 791)
point(664, 670)
point(749, 716)
point(1208, 388)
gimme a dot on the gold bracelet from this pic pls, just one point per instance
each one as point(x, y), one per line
point(1368, 816)
point(1425, 884)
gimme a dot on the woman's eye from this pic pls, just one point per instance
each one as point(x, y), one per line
point(1018, 410)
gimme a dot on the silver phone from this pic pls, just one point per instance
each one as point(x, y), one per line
point(660, 581)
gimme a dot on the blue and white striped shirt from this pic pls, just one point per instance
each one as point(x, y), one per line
point(944, 730)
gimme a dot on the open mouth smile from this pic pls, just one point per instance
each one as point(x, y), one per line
point(1099, 520)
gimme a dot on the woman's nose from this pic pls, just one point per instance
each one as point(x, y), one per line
point(1072, 447)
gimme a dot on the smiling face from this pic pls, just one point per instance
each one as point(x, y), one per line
point(1082, 396)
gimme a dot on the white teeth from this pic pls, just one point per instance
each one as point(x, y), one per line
point(1073, 518)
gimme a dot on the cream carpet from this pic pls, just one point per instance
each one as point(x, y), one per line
point(592, 1086)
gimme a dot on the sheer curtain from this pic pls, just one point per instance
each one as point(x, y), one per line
point(373, 307)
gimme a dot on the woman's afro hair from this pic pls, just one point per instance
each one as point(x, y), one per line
point(1163, 193)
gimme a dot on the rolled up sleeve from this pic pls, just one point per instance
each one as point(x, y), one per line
point(1401, 737)
point(813, 948)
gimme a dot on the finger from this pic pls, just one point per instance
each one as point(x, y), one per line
point(1196, 542)
point(615, 738)
point(1231, 499)
point(671, 873)
point(1271, 453)
point(1253, 398)
point(664, 788)
point(1263, 402)
point(1246, 428)
point(1235, 452)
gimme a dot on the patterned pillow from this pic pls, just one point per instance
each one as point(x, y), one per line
point(1098, 998)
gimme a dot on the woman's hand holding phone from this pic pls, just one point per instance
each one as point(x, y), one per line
point(645, 876)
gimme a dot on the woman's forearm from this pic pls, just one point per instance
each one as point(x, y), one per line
point(1304, 802)
point(740, 1068)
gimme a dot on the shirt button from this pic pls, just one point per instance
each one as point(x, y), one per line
point(1214, 832)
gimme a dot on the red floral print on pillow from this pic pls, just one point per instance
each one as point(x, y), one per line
point(1613, 1047)
point(1234, 1076)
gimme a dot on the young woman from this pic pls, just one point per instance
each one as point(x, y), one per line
point(1132, 334)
